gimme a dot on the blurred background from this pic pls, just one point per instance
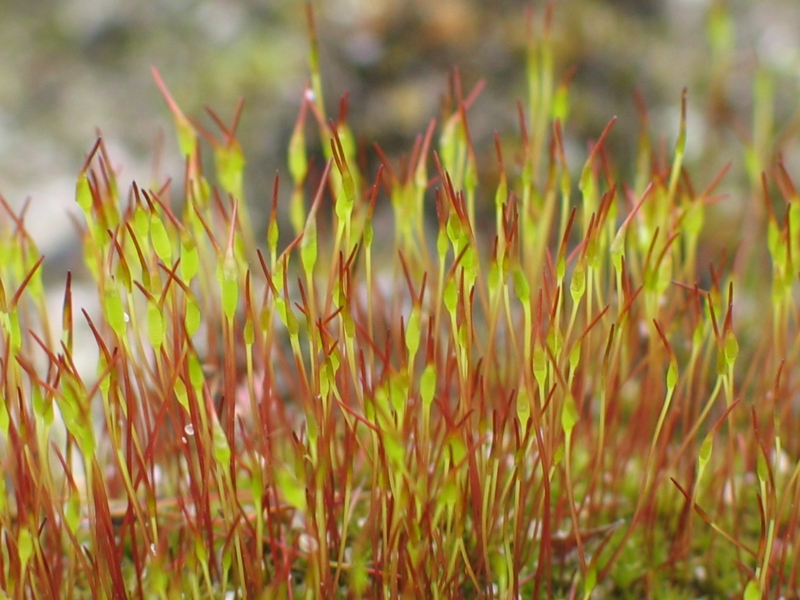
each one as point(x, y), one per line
point(71, 68)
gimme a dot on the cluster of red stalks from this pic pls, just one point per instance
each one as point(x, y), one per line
point(536, 389)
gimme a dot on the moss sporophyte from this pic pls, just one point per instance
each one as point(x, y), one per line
point(536, 386)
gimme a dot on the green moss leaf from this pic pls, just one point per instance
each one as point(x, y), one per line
point(293, 491)
point(569, 414)
point(114, 310)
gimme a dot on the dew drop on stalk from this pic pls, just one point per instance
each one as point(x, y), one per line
point(189, 429)
point(153, 549)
